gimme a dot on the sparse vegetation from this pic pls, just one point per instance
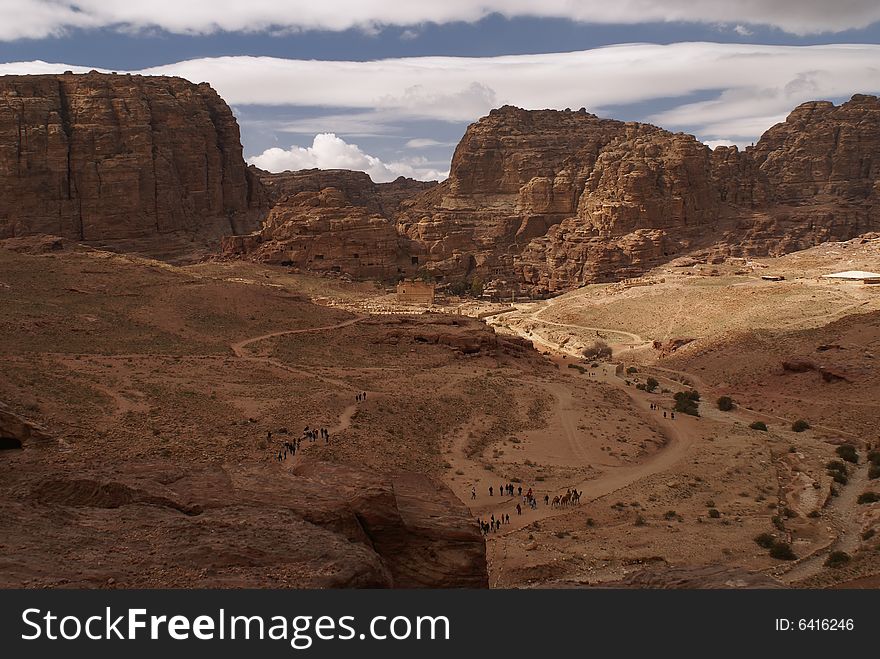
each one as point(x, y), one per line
point(868, 497)
point(837, 559)
point(651, 384)
point(765, 540)
point(599, 350)
point(725, 403)
point(782, 551)
point(714, 514)
point(632, 369)
point(758, 425)
point(800, 426)
point(848, 452)
point(686, 402)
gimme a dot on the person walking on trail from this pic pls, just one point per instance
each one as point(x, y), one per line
point(364, 397)
point(490, 490)
point(672, 415)
point(518, 509)
point(546, 499)
point(664, 414)
point(473, 493)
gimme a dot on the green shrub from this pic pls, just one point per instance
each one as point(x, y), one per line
point(686, 405)
point(758, 425)
point(839, 477)
point(836, 465)
point(782, 551)
point(725, 403)
point(599, 350)
point(651, 384)
point(800, 425)
point(765, 540)
point(632, 369)
point(848, 452)
point(837, 559)
point(868, 497)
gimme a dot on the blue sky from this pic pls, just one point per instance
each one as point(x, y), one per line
point(390, 88)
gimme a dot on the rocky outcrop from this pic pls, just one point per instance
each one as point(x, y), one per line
point(463, 334)
point(99, 157)
point(542, 201)
point(316, 525)
point(331, 221)
point(16, 431)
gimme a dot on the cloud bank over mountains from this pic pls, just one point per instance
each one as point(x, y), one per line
point(49, 18)
point(721, 92)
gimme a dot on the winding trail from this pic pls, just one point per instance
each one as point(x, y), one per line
point(239, 350)
point(846, 523)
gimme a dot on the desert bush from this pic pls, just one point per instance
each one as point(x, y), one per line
point(651, 384)
point(713, 513)
point(868, 497)
point(641, 386)
point(874, 472)
point(870, 533)
point(836, 465)
point(686, 402)
point(874, 457)
point(839, 477)
point(599, 350)
point(725, 403)
point(777, 522)
point(782, 551)
point(632, 369)
point(765, 540)
point(640, 521)
point(848, 452)
point(800, 425)
point(837, 559)
point(758, 425)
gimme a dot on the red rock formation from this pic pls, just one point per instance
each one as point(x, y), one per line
point(331, 220)
point(317, 525)
point(105, 157)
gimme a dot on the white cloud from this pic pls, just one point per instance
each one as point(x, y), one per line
point(425, 142)
point(715, 143)
point(331, 152)
point(749, 87)
point(743, 31)
point(41, 18)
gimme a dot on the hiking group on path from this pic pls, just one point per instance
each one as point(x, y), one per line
point(494, 523)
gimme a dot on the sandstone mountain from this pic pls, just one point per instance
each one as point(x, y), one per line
point(536, 202)
point(106, 157)
point(542, 201)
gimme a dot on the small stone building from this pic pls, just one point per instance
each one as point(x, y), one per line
point(415, 292)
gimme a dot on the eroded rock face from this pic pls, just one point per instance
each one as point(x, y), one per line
point(312, 524)
point(331, 221)
point(106, 157)
point(542, 201)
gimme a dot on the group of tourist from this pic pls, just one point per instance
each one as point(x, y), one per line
point(655, 406)
point(289, 448)
point(493, 523)
point(361, 397)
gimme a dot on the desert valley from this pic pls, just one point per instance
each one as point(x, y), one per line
point(630, 356)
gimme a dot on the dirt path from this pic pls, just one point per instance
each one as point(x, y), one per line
point(239, 349)
point(843, 511)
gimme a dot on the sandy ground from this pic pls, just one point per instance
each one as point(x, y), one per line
point(124, 358)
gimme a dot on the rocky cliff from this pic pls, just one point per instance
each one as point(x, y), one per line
point(105, 157)
point(541, 201)
point(331, 220)
point(317, 525)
